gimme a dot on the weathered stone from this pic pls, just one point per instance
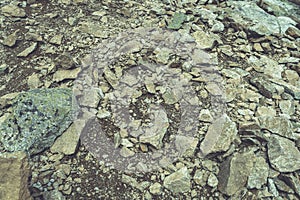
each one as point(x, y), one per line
point(38, 117)
point(265, 111)
point(287, 107)
point(33, 81)
point(11, 39)
point(57, 39)
point(219, 136)
point(234, 172)
point(186, 145)
point(68, 141)
point(205, 116)
point(154, 134)
point(259, 174)
point(278, 125)
point(178, 181)
point(177, 21)
point(290, 89)
point(283, 154)
point(293, 181)
point(201, 177)
point(204, 40)
point(212, 180)
point(155, 189)
point(61, 75)
point(13, 11)
point(28, 50)
point(14, 174)
point(91, 97)
point(264, 86)
point(93, 28)
point(53, 195)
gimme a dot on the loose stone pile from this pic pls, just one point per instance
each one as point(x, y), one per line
point(215, 118)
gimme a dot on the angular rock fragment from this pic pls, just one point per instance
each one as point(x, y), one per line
point(186, 145)
point(28, 50)
point(177, 21)
point(284, 156)
point(259, 174)
point(234, 172)
point(279, 125)
point(61, 75)
point(178, 181)
point(11, 39)
point(219, 136)
point(11, 10)
point(14, 174)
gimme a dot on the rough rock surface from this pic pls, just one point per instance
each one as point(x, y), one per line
point(283, 154)
point(178, 181)
point(14, 173)
point(38, 117)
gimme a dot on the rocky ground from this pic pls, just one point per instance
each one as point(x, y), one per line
point(187, 99)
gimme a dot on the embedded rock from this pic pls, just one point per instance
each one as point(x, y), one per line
point(38, 117)
point(284, 156)
point(178, 181)
point(219, 136)
point(14, 173)
point(234, 172)
point(259, 174)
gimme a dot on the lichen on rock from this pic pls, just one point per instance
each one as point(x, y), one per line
point(38, 117)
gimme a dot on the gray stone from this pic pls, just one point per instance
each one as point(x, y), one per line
point(62, 74)
point(53, 195)
point(14, 174)
point(259, 174)
point(263, 22)
point(38, 117)
point(234, 172)
point(265, 111)
point(177, 21)
point(28, 50)
point(201, 177)
point(68, 141)
point(186, 145)
point(212, 180)
point(178, 181)
point(91, 97)
point(93, 28)
point(289, 88)
point(283, 154)
point(264, 86)
point(272, 187)
point(154, 134)
point(155, 189)
point(279, 125)
point(293, 181)
point(11, 10)
point(287, 107)
point(205, 40)
point(11, 39)
point(219, 136)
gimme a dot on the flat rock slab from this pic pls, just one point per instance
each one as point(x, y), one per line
point(234, 172)
point(284, 156)
point(219, 136)
point(14, 173)
point(38, 117)
point(178, 181)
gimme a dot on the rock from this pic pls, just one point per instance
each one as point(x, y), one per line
point(177, 21)
point(204, 40)
point(293, 181)
point(272, 188)
point(201, 177)
point(34, 81)
point(287, 107)
point(264, 86)
point(179, 181)
point(93, 28)
point(217, 27)
point(205, 116)
point(14, 175)
point(61, 75)
point(11, 39)
point(212, 180)
point(230, 181)
point(186, 145)
point(266, 111)
point(56, 39)
point(154, 134)
point(289, 88)
point(263, 22)
point(219, 136)
point(259, 174)
point(6, 100)
point(28, 50)
point(283, 154)
point(293, 31)
point(67, 143)
point(155, 189)
point(90, 97)
point(38, 117)
point(279, 125)
point(11, 10)
point(53, 195)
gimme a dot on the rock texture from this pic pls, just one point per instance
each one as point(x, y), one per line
point(14, 174)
